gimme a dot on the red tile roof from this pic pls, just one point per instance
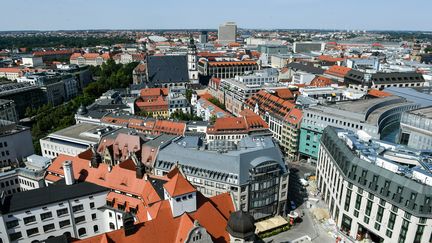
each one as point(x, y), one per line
point(178, 185)
point(211, 213)
point(328, 58)
point(321, 81)
point(378, 93)
point(154, 92)
point(269, 103)
point(245, 124)
point(338, 71)
point(53, 52)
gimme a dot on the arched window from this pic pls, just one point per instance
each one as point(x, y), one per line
point(95, 228)
point(67, 234)
point(111, 225)
point(81, 232)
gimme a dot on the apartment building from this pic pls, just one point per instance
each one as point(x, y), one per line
point(281, 116)
point(373, 189)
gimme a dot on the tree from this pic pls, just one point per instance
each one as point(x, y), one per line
point(50, 119)
point(217, 103)
point(180, 115)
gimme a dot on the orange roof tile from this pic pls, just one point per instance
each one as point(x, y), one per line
point(378, 93)
point(338, 71)
point(178, 185)
point(321, 81)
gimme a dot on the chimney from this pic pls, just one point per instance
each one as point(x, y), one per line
point(129, 227)
point(68, 172)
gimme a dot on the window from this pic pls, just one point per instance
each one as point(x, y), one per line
point(389, 233)
point(77, 208)
point(48, 227)
point(82, 232)
point(62, 212)
point(391, 222)
point(12, 224)
point(32, 231)
point(377, 226)
point(419, 233)
point(64, 223)
point(15, 236)
point(111, 225)
point(110, 214)
point(92, 205)
point(95, 228)
point(29, 219)
point(79, 219)
point(380, 214)
point(93, 216)
point(46, 215)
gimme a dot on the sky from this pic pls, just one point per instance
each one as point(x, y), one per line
point(194, 14)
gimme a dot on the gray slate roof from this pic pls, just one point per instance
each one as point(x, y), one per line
point(167, 69)
point(305, 68)
point(250, 153)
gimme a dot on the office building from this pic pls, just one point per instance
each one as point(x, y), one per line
point(7, 111)
point(363, 81)
point(91, 59)
point(374, 189)
point(308, 47)
point(416, 128)
point(27, 177)
point(24, 95)
point(227, 33)
point(32, 61)
point(234, 92)
point(203, 37)
point(224, 67)
point(253, 171)
point(73, 140)
point(376, 117)
point(234, 129)
point(15, 143)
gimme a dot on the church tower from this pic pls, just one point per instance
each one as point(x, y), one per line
point(192, 61)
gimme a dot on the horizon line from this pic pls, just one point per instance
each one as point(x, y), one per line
point(215, 29)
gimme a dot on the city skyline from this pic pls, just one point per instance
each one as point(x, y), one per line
point(293, 14)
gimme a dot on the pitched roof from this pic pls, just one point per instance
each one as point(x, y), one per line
point(178, 185)
point(269, 103)
point(167, 69)
point(321, 81)
point(338, 71)
point(305, 68)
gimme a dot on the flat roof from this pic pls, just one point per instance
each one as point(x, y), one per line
point(82, 131)
point(423, 112)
